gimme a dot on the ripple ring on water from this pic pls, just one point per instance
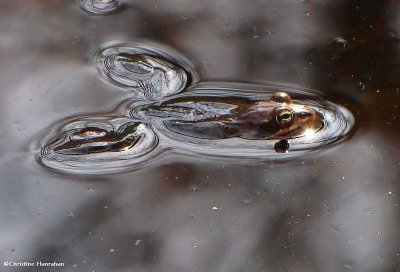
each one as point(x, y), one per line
point(149, 71)
point(98, 145)
point(100, 7)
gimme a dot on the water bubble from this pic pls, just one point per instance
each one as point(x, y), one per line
point(150, 71)
point(246, 121)
point(92, 145)
point(71, 214)
point(101, 7)
point(282, 146)
point(341, 41)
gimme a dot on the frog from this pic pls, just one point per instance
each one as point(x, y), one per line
point(276, 118)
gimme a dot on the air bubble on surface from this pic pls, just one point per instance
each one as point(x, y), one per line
point(100, 7)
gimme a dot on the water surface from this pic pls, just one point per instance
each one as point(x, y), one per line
point(336, 210)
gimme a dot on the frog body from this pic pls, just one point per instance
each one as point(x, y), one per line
point(221, 118)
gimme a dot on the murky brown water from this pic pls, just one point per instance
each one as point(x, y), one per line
point(333, 210)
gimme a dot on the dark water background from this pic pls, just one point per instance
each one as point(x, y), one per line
point(333, 211)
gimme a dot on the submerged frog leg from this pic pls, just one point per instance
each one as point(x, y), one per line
point(136, 63)
point(125, 144)
point(121, 139)
point(127, 129)
point(81, 148)
point(204, 130)
point(125, 137)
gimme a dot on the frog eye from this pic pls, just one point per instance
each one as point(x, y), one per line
point(284, 116)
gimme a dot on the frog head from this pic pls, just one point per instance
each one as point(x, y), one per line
point(293, 119)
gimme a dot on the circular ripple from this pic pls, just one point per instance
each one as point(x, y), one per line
point(337, 122)
point(150, 71)
point(98, 145)
point(102, 7)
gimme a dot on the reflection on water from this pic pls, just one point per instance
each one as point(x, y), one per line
point(330, 211)
point(100, 6)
